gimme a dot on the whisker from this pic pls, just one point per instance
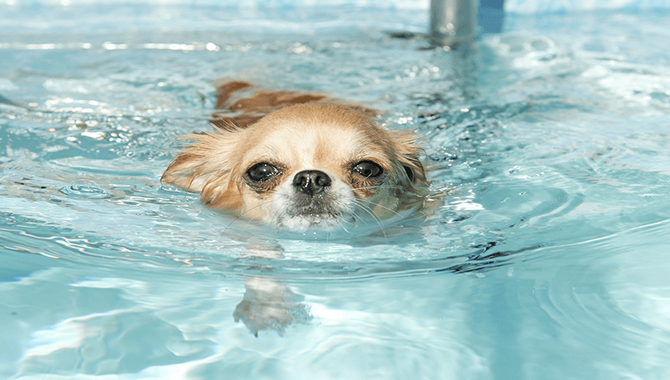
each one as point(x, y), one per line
point(377, 187)
point(241, 215)
point(382, 206)
point(375, 217)
point(344, 227)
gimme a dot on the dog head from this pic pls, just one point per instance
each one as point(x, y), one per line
point(304, 166)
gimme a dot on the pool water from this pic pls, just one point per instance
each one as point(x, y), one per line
point(545, 256)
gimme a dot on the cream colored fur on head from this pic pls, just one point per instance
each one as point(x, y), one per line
point(305, 166)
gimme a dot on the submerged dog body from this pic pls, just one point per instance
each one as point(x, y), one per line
point(304, 166)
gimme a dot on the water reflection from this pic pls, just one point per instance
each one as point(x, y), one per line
point(270, 305)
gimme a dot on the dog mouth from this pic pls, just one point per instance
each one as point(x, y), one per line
point(305, 221)
point(315, 212)
point(318, 212)
point(312, 205)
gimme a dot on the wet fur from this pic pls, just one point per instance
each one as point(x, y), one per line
point(293, 132)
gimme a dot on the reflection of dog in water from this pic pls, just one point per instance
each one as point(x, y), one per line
point(269, 305)
point(296, 161)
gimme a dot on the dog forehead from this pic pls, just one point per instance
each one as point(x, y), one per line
point(317, 136)
point(316, 143)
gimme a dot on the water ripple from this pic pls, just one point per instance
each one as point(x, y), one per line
point(85, 189)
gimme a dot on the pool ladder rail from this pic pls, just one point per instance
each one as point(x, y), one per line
point(453, 22)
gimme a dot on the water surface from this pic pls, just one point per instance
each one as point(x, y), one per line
point(546, 259)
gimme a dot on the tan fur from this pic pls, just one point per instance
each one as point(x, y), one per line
point(331, 138)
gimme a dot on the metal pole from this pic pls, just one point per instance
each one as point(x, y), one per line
point(453, 22)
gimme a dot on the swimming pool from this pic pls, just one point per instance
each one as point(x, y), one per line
point(547, 259)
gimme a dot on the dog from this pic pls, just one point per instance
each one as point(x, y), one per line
point(299, 161)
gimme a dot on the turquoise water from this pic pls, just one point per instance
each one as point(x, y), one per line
point(546, 259)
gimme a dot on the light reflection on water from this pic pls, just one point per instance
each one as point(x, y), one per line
point(545, 259)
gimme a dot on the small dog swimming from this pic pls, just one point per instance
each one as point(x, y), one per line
point(299, 161)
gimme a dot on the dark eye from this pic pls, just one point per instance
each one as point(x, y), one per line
point(261, 172)
point(367, 169)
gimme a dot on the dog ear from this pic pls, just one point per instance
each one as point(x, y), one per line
point(408, 151)
point(206, 166)
point(192, 168)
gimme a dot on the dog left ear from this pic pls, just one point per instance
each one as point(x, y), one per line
point(407, 151)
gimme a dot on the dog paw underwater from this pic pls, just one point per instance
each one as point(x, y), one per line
point(297, 162)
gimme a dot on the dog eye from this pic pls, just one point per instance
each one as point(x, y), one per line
point(367, 169)
point(261, 172)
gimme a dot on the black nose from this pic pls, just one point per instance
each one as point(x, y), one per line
point(311, 182)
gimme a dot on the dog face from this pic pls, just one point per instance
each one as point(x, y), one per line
point(304, 166)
